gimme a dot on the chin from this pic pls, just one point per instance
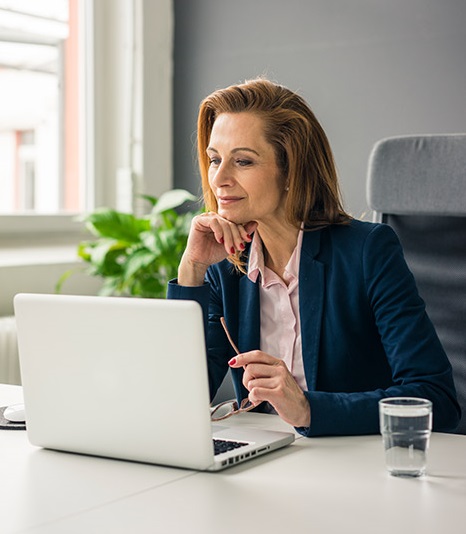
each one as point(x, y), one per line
point(232, 217)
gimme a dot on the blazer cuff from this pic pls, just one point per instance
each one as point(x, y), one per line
point(200, 294)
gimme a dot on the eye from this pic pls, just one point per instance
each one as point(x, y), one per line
point(214, 162)
point(244, 162)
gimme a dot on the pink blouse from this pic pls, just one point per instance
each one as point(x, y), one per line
point(280, 325)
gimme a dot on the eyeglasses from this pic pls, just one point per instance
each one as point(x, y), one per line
point(228, 408)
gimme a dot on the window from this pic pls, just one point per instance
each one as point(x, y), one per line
point(92, 121)
point(40, 119)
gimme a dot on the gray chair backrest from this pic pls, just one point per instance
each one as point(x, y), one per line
point(417, 185)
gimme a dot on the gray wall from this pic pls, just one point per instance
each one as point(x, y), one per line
point(368, 68)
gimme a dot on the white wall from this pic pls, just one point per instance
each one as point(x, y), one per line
point(368, 68)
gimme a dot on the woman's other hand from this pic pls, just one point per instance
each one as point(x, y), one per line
point(268, 379)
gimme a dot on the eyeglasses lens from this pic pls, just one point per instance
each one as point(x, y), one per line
point(224, 410)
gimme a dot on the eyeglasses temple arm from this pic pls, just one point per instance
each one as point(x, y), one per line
point(222, 320)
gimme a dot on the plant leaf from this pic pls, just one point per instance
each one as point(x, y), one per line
point(153, 200)
point(106, 222)
point(183, 222)
point(83, 250)
point(152, 286)
point(138, 261)
point(107, 257)
point(149, 240)
point(172, 199)
point(137, 256)
point(64, 277)
point(111, 286)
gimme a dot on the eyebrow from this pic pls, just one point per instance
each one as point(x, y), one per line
point(238, 149)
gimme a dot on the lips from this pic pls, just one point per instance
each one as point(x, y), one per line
point(225, 200)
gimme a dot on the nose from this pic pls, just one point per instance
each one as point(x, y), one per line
point(222, 176)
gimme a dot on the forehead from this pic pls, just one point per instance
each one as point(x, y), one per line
point(238, 129)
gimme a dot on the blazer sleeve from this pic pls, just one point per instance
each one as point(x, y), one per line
point(218, 348)
point(419, 365)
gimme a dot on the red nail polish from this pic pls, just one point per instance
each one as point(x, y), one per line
point(241, 246)
point(222, 240)
point(249, 237)
point(232, 250)
point(232, 361)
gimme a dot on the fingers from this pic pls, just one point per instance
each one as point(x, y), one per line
point(232, 236)
point(290, 404)
point(268, 379)
point(266, 376)
point(211, 239)
point(260, 394)
point(254, 356)
point(261, 370)
point(261, 388)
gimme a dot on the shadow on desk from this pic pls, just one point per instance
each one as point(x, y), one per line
point(42, 461)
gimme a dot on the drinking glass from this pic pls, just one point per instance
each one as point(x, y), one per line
point(405, 425)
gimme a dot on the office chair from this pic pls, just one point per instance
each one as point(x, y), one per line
point(417, 185)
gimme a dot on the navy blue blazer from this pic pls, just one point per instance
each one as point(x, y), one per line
point(365, 331)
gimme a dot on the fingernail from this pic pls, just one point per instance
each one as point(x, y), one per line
point(249, 237)
point(241, 246)
point(232, 361)
point(222, 240)
point(232, 250)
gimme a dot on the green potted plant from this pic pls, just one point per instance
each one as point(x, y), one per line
point(136, 256)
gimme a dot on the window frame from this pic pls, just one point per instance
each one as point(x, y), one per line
point(104, 22)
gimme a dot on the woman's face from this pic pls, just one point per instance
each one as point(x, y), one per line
point(243, 172)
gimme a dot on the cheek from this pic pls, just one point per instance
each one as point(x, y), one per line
point(210, 178)
point(271, 193)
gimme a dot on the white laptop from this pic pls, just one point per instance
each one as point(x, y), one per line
point(124, 378)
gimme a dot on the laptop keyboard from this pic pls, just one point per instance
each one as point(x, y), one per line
point(221, 445)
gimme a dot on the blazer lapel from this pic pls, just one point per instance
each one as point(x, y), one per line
point(249, 315)
point(311, 299)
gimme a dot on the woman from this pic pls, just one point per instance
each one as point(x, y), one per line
point(323, 308)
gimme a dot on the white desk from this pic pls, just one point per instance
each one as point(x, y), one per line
point(322, 485)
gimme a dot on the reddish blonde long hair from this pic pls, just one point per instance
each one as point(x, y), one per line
point(302, 150)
